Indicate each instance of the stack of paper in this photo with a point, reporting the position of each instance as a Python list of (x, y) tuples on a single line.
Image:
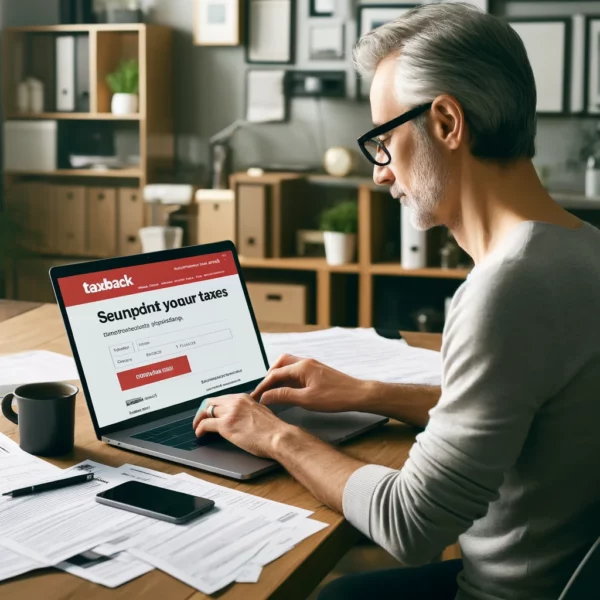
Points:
[(361, 353), (33, 367), (66, 528)]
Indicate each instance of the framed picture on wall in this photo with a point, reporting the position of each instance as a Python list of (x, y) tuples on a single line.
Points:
[(270, 31), (321, 8), (217, 22), (369, 17), (326, 41), (548, 45), (592, 67), (266, 100)]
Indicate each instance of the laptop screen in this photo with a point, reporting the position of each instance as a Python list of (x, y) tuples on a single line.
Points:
[(155, 335)]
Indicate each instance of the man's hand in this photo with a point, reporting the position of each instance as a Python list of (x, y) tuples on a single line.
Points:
[(243, 422), (312, 385)]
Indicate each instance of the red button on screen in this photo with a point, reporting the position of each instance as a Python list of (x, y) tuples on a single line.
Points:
[(154, 372)]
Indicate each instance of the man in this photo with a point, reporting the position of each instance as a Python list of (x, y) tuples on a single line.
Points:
[(508, 457)]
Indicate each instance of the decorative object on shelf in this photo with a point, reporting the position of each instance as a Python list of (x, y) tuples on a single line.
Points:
[(217, 22), (428, 320), (413, 242), (369, 17), (30, 145), (124, 84), (592, 177), (266, 100), (322, 8), (30, 96), (220, 155), (547, 41), (339, 161), (270, 31), (589, 154), (449, 253), (162, 236), (310, 242), (340, 225), (75, 12), (119, 11), (326, 41), (316, 84)]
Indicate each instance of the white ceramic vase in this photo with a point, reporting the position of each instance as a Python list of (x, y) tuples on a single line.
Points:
[(124, 104), (592, 183), (340, 248)]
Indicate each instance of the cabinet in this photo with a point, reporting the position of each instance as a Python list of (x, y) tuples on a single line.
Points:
[(130, 221), (101, 222), (70, 219)]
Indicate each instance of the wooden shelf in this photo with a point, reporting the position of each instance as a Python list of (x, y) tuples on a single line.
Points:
[(81, 27), (297, 264), (75, 116), (108, 174), (394, 268)]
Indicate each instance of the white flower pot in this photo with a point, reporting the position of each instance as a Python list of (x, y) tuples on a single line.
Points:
[(592, 183), (339, 247), (124, 104)]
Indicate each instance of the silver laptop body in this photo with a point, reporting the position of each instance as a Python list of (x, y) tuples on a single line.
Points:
[(166, 431)]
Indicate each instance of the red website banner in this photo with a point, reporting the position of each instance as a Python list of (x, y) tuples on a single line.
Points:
[(166, 369), (103, 285)]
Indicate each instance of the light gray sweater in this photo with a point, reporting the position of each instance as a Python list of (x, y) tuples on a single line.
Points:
[(510, 459)]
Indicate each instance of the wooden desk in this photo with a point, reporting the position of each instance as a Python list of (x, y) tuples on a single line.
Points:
[(293, 576)]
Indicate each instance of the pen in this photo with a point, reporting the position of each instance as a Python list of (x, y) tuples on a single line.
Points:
[(50, 485)]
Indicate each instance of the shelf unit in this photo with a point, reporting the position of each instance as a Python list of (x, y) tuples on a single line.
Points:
[(86, 213), (379, 221)]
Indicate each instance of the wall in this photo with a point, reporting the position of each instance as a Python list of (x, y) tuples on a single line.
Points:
[(209, 93)]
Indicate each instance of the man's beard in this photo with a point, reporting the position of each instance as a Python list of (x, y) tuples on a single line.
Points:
[(428, 184)]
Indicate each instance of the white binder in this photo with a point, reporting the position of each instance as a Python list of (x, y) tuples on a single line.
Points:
[(65, 73), (413, 251)]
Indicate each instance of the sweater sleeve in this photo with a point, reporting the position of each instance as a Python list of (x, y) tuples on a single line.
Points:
[(499, 367)]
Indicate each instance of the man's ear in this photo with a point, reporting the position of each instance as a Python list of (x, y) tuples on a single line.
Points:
[(448, 120)]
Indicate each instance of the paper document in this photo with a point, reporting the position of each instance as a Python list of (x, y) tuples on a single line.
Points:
[(34, 367), (361, 353), (108, 571), (18, 469), (14, 564), (53, 526)]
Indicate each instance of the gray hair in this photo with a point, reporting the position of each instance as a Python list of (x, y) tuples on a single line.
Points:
[(475, 57)]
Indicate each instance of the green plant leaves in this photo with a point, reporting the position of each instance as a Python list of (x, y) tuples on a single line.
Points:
[(125, 80), (342, 218)]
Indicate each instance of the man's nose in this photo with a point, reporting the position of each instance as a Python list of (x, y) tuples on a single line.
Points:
[(383, 175)]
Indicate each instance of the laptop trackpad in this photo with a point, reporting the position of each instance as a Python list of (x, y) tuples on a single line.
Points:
[(331, 427)]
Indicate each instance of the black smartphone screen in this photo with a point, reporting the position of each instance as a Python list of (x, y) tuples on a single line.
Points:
[(160, 500)]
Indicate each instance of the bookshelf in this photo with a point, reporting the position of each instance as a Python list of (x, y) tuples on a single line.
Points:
[(357, 287), (63, 212)]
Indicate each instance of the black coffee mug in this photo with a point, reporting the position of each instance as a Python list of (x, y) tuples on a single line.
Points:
[(46, 417)]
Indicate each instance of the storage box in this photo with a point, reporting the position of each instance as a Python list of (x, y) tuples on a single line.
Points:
[(216, 215), (279, 302), (30, 145)]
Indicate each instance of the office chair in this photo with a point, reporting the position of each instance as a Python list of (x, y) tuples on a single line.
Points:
[(584, 583)]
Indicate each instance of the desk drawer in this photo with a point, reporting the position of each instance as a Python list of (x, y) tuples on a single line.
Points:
[(279, 302)]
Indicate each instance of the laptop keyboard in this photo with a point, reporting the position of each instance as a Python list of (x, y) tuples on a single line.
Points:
[(178, 434)]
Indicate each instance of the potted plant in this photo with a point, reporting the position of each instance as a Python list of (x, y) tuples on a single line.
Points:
[(124, 84), (340, 224)]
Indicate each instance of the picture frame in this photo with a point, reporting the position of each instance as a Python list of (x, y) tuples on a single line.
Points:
[(270, 31), (321, 8), (591, 93), (217, 22), (266, 98), (548, 45), (369, 17), (326, 41)]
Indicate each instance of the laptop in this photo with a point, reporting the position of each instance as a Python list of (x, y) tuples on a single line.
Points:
[(155, 334)]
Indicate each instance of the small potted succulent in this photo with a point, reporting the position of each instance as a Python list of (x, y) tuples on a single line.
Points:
[(124, 84), (340, 224)]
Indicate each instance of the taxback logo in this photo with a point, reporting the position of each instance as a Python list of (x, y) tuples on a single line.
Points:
[(107, 284)]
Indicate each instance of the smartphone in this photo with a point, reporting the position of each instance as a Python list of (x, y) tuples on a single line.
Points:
[(156, 502)]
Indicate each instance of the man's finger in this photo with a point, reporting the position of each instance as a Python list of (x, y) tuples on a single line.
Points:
[(285, 360), (275, 377), (207, 425), (284, 395)]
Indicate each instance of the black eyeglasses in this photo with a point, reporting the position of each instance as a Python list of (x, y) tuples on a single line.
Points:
[(373, 148)]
